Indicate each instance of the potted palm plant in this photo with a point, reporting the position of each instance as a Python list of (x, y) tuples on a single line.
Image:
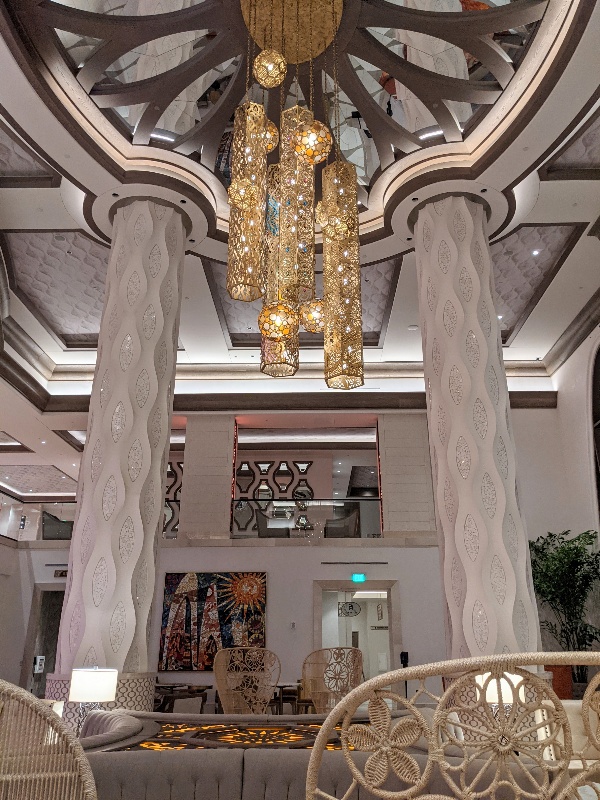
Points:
[(565, 570)]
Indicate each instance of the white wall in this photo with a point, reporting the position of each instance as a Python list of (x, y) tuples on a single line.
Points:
[(13, 622), (291, 571), (544, 496), (574, 384)]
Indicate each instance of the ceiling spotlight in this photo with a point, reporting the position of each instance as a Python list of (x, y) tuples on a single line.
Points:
[(413, 327), (74, 465), (63, 477), (43, 441), (535, 252), (499, 316), (338, 471)]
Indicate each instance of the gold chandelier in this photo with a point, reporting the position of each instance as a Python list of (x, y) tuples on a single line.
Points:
[(273, 215)]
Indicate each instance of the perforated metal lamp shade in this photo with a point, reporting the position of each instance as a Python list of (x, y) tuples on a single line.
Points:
[(93, 685)]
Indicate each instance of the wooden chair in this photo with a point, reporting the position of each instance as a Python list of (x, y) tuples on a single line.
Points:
[(329, 674), (40, 758), (246, 679)]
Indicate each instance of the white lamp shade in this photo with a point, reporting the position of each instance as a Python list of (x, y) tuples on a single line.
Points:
[(93, 685)]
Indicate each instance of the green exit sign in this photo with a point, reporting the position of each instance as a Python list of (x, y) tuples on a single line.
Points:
[(358, 577)]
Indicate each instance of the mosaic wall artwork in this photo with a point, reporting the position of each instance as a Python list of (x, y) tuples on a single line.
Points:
[(206, 611)]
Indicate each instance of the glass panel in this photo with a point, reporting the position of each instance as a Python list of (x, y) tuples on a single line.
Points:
[(307, 519)]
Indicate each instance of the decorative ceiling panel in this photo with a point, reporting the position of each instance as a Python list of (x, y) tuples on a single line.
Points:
[(41, 479), (8, 444), (16, 161), (63, 275), (524, 262), (377, 283), (584, 152)]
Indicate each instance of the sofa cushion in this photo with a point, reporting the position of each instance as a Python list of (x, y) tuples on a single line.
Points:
[(170, 775), (578, 734), (102, 728)]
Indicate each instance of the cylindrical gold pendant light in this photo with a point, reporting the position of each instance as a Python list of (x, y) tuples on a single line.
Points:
[(344, 367)]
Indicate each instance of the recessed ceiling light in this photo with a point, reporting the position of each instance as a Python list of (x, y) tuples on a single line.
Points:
[(535, 252), (74, 465), (413, 327), (499, 316), (338, 471), (31, 490), (63, 477), (43, 441)]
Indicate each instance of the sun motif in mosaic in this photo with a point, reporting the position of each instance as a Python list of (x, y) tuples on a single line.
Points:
[(244, 589)]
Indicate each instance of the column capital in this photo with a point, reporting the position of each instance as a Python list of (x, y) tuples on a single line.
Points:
[(195, 209), (403, 206)]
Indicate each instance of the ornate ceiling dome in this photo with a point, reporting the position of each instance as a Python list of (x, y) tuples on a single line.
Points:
[(417, 80)]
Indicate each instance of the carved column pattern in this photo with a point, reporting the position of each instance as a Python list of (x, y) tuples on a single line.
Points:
[(484, 543), (121, 490)]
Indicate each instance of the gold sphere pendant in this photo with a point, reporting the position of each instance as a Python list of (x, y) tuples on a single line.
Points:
[(278, 320), (269, 68), (312, 142), (312, 316), (272, 136)]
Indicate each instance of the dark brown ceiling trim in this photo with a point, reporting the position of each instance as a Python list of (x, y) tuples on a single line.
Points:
[(574, 335), (576, 234), (52, 178), (207, 266), (29, 182), (18, 377), (387, 312), (67, 402), (551, 171), (595, 229), (70, 440), (80, 341), (27, 348), (88, 204), (307, 401), (17, 447)]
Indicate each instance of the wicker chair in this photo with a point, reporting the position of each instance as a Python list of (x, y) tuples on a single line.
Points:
[(40, 759), (329, 674), (247, 678)]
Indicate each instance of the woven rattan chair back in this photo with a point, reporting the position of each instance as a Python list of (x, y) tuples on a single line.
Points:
[(40, 759), (246, 679), (329, 674)]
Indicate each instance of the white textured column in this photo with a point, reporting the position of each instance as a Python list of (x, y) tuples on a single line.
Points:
[(482, 536), (121, 486)]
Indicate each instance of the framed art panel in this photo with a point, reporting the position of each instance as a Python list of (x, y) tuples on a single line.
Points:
[(206, 611)]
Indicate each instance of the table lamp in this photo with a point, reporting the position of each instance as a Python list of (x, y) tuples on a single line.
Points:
[(90, 688)]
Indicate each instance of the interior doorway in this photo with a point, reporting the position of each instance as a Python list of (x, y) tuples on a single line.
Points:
[(358, 618), (42, 639)]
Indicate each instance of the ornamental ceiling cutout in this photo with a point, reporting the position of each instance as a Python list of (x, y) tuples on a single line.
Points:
[(409, 78)]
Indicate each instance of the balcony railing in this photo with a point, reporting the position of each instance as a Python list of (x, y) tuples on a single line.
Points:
[(20, 519), (352, 518)]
